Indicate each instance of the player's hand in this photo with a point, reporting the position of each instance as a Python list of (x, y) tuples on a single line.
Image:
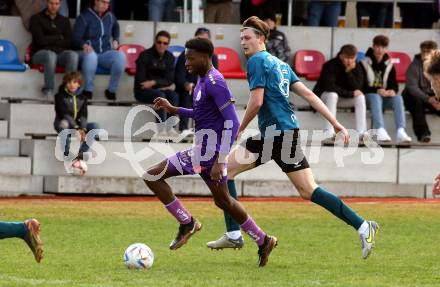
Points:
[(217, 171), (161, 103), (341, 131), (81, 135), (436, 187)]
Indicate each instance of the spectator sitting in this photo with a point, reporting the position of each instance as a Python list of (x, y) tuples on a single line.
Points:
[(185, 82), (381, 90), (161, 10), (51, 39), (27, 9), (96, 32), (418, 94), (341, 80), (277, 43), (219, 11), (155, 74), (323, 13), (71, 112)]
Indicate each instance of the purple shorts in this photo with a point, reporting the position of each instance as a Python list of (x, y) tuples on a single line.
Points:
[(182, 163)]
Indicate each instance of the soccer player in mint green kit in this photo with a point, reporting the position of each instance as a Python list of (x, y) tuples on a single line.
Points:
[(29, 231), (269, 81)]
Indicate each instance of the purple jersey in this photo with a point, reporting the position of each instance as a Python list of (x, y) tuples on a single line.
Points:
[(211, 95)]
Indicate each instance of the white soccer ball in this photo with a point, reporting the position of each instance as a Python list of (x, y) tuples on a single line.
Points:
[(138, 256), (79, 167)]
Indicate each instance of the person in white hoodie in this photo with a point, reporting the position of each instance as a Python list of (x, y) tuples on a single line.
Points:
[(381, 90)]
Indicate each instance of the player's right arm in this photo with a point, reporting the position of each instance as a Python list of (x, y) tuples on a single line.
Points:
[(161, 103), (305, 93)]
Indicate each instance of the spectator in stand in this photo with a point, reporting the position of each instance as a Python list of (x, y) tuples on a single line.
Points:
[(51, 39), (323, 13), (277, 43), (96, 32), (258, 8), (381, 89), (218, 11), (27, 9), (418, 94), (155, 74), (71, 113), (161, 10), (341, 81), (411, 15), (185, 82), (380, 14)]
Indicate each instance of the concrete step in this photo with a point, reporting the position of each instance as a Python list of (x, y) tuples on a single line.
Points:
[(328, 163), (3, 128), (194, 185), (182, 185), (15, 185), (15, 165), (9, 147), (39, 118), (418, 165)]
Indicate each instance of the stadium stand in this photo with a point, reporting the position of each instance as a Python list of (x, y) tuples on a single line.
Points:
[(41, 172)]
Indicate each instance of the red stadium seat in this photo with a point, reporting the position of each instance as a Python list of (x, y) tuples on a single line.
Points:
[(28, 60), (131, 52), (401, 62), (229, 63), (308, 64)]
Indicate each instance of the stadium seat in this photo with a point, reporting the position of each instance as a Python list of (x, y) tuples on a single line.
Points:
[(308, 64), (40, 68), (176, 50), (401, 62), (9, 60), (360, 56), (229, 63), (131, 52)]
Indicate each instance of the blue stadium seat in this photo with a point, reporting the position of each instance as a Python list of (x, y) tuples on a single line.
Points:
[(176, 50), (360, 56), (9, 60)]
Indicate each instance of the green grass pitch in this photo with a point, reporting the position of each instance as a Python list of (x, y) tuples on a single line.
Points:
[(85, 242)]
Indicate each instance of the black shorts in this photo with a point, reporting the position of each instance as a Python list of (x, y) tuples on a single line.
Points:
[(291, 159)]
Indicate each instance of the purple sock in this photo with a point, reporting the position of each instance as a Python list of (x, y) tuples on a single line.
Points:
[(179, 212), (255, 232)]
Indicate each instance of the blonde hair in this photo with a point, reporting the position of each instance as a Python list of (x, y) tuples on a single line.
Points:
[(431, 68)]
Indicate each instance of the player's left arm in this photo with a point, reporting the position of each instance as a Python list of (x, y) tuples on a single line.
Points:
[(305, 93)]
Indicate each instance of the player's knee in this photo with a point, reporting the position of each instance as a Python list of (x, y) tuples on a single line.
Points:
[(223, 203), (305, 192)]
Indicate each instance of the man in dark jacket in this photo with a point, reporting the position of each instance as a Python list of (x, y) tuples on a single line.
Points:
[(277, 43), (51, 40), (185, 82), (418, 94), (96, 33), (381, 90), (155, 73), (340, 83)]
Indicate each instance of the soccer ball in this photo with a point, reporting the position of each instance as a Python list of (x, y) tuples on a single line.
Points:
[(79, 167), (138, 256)]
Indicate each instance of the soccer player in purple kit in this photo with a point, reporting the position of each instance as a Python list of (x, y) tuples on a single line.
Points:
[(214, 115)]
